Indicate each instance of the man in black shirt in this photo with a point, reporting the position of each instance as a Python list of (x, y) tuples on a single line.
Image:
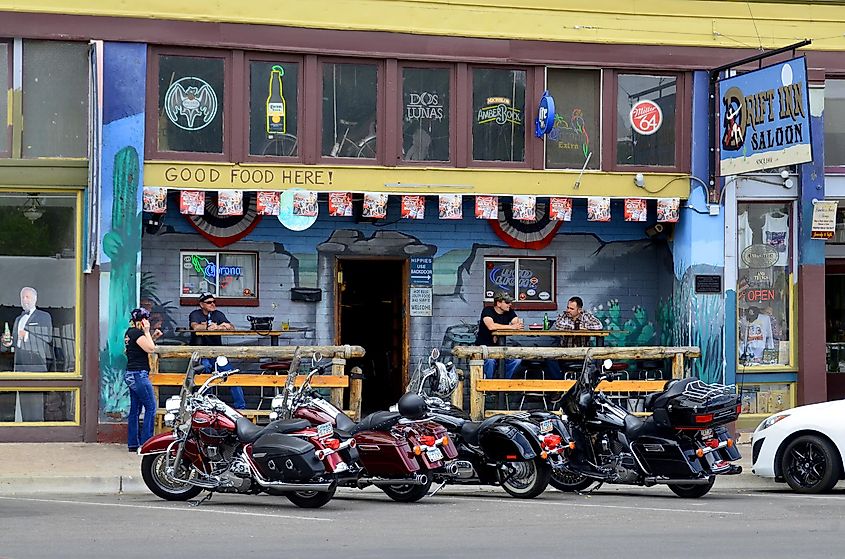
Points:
[(207, 317), (498, 317)]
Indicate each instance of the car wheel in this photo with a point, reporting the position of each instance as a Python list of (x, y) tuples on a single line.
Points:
[(810, 464)]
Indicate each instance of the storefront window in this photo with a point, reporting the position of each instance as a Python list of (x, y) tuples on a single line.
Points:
[(645, 120), (765, 398), (764, 287), (5, 129), (38, 272), (527, 280), (425, 114), (834, 123), (228, 275), (498, 104), (36, 406), (190, 104), (576, 134), (55, 99), (273, 108), (349, 110)]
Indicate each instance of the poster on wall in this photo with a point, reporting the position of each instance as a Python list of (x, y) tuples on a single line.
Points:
[(524, 208), (486, 207), (560, 209), (668, 209), (155, 199), (824, 219), (192, 202), (635, 209), (420, 301), (267, 203), (598, 208), (230, 202), (413, 207), (375, 205), (451, 206), (340, 204), (305, 203)]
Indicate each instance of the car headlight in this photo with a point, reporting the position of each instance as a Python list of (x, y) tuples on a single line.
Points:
[(278, 402), (172, 404), (769, 421)]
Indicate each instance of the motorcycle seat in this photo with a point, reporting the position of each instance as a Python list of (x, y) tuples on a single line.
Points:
[(248, 432), (343, 422), (636, 427), (378, 421)]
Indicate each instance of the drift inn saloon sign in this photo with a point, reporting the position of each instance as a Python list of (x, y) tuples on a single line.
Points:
[(765, 119)]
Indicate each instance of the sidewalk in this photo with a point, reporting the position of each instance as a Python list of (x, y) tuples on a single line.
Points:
[(109, 468)]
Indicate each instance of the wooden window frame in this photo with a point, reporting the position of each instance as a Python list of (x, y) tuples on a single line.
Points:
[(549, 305), (222, 300), (10, 106)]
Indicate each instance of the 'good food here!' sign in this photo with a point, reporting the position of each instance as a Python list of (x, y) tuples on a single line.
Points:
[(765, 119)]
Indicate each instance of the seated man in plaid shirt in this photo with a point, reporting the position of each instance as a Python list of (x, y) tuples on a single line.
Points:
[(574, 318)]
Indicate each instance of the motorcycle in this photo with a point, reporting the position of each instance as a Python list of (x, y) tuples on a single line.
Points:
[(212, 447), (395, 452), (684, 444), (518, 451)]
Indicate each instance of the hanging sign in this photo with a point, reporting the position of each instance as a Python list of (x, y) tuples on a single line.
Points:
[(420, 301), (668, 210), (375, 205), (635, 209), (524, 207), (230, 202), (646, 117), (598, 208), (486, 207), (305, 203), (340, 204), (450, 206), (545, 115), (824, 219), (413, 206), (422, 271), (192, 202), (155, 199), (267, 203), (560, 209)]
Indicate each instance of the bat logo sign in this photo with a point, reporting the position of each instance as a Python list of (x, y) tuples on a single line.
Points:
[(188, 99)]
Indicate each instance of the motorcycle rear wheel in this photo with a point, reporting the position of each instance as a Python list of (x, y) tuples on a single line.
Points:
[(311, 499), (407, 493), (692, 491), (529, 480), (152, 470), (570, 482)]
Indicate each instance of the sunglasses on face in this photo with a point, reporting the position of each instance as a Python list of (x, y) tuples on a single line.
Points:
[(209, 302)]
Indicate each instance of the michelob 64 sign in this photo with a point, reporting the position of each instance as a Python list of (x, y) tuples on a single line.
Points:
[(765, 119)]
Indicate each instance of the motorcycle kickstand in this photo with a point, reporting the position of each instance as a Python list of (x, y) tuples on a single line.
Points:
[(201, 501), (592, 489), (437, 490)]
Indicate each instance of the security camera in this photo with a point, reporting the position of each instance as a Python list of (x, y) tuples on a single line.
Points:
[(784, 174), (639, 180)]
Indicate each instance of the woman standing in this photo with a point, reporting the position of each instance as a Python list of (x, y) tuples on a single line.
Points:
[(139, 344)]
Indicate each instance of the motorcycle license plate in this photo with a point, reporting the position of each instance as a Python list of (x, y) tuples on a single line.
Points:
[(707, 433), (434, 454), (324, 430), (546, 426)]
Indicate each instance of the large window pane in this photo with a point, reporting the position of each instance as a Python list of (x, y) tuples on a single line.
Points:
[(190, 104), (834, 122), (763, 290), (225, 274), (576, 133), (635, 147), (349, 110), (38, 275), (425, 114), (55, 99), (32, 406), (498, 126), (4, 87), (273, 108)]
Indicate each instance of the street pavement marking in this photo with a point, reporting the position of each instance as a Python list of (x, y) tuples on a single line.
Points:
[(160, 507), (585, 505), (800, 496)]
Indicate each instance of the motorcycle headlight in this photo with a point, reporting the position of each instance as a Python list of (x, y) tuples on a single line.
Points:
[(769, 421), (278, 402), (273, 416), (169, 418), (172, 404)]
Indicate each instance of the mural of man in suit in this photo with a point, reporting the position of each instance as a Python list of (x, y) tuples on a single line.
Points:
[(32, 336)]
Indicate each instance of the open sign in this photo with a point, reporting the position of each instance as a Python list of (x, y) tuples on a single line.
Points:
[(646, 117)]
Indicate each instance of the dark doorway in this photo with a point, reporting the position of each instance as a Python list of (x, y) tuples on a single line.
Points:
[(371, 313)]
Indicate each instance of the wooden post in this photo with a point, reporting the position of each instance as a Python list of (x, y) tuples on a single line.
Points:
[(338, 366), (678, 365), (476, 398), (355, 390), (458, 394)]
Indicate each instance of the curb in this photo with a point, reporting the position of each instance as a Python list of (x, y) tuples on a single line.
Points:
[(72, 484)]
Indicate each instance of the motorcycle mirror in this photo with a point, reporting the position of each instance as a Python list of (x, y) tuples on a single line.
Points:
[(607, 364), (435, 353), (316, 358), (222, 361)]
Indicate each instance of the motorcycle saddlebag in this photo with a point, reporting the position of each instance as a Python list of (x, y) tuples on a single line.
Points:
[(665, 458), (383, 455), (504, 442), (285, 458)]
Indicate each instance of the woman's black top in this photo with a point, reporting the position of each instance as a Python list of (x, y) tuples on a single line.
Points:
[(136, 358)]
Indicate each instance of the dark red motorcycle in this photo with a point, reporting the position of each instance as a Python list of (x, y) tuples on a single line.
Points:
[(212, 447)]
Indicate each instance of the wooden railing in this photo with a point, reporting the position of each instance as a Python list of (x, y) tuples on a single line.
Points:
[(479, 385)]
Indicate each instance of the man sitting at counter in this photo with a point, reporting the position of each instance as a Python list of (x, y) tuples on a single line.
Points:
[(573, 318)]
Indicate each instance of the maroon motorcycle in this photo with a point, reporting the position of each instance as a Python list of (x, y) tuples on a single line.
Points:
[(212, 447), (394, 451)]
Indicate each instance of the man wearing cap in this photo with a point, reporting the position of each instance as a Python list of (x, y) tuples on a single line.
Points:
[(207, 317), (498, 317)]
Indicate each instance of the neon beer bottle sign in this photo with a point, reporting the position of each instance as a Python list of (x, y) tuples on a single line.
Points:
[(276, 113)]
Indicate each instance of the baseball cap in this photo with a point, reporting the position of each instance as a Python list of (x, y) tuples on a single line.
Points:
[(502, 296), (205, 296)]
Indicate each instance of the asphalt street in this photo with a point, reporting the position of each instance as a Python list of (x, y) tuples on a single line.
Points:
[(612, 522)]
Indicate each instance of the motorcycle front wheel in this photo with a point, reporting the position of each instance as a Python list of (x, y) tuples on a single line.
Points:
[(153, 471), (407, 493), (526, 479), (691, 491), (311, 499), (569, 482)]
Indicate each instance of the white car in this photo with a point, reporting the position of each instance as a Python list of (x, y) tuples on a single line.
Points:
[(802, 446)]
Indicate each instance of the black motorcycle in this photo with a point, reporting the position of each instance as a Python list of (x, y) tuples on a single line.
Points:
[(684, 444)]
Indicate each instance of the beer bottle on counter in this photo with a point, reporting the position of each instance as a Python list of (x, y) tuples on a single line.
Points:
[(276, 114), (7, 334), (545, 321)]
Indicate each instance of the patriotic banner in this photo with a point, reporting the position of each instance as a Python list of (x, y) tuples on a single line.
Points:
[(560, 209), (340, 204), (230, 202), (451, 206), (524, 208), (413, 207), (375, 205), (598, 208), (668, 209), (155, 199), (305, 203), (486, 207), (635, 209), (192, 202), (267, 203)]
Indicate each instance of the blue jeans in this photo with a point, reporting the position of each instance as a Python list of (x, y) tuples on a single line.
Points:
[(141, 395), (238, 401), (510, 367)]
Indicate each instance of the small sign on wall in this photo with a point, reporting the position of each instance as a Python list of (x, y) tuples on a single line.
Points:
[(708, 283), (422, 271), (420, 301)]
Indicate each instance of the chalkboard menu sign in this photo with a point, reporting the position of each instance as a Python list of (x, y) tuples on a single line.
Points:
[(527, 280), (705, 283)]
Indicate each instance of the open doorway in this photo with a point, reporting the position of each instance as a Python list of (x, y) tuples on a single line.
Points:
[(371, 313)]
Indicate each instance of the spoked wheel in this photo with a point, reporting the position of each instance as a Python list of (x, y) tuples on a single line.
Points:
[(407, 493), (311, 499), (692, 491), (153, 468), (525, 480), (810, 464), (569, 481)]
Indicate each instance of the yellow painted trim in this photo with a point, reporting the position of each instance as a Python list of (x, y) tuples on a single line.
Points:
[(214, 176), (710, 23), (76, 414)]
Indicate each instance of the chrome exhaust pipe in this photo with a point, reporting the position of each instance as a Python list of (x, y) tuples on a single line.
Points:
[(284, 486), (418, 479), (649, 481)]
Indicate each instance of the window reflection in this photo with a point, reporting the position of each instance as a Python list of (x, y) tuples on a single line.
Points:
[(273, 108), (653, 142), (425, 114), (190, 104), (349, 110), (498, 126), (33, 406)]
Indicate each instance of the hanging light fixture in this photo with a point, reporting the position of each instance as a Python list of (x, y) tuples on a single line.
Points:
[(33, 208)]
